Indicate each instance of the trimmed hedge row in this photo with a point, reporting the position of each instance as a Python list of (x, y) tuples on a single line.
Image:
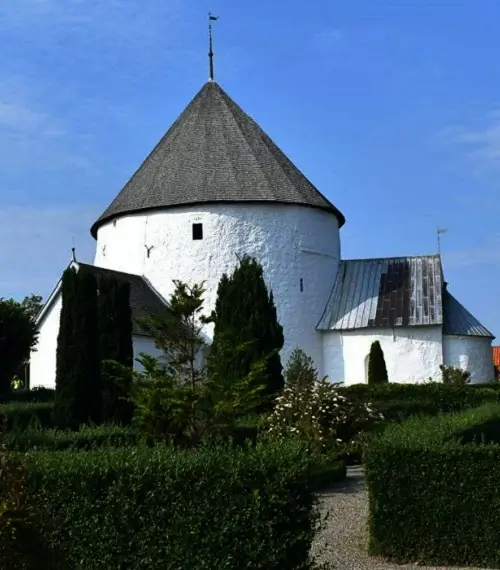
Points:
[(34, 395), (398, 402), (433, 489), (57, 440), (161, 509), (21, 415)]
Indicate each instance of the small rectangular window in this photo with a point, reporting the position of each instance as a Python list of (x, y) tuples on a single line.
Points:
[(301, 285), (197, 231)]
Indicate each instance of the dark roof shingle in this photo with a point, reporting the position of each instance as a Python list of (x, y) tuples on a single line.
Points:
[(214, 152), (144, 300), (459, 321)]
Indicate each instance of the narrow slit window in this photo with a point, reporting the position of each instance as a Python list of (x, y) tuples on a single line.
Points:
[(197, 231), (301, 285)]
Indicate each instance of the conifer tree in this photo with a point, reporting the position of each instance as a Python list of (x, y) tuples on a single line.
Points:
[(116, 348), (78, 379), (377, 370), (115, 321), (245, 319)]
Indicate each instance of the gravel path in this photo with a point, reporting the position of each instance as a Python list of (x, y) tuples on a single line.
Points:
[(342, 541)]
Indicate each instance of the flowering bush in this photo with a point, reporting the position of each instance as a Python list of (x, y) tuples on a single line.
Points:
[(313, 409)]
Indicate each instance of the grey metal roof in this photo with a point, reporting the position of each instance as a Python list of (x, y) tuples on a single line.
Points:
[(144, 300), (388, 292), (459, 321), (214, 152)]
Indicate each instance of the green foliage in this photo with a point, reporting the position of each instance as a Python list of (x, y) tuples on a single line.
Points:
[(115, 321), (33, 395), (245, 315), (87, 437), (20, 415), (178, 333), (18, 336), (117, 379), (451, 516), (398, 402), (377, 369), (21, 543), (313, 410), (453, 375), (32, 304), (161, 509), (78, 378)]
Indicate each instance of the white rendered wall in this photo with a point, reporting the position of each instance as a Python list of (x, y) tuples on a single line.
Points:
[(412, 354), (291, 243), (43, 361), (470, 353)]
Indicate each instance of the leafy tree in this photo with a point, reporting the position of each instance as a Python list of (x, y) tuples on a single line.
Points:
[(178, 333), (18, 336), (377, 370), (300, 372), (33, 305), (245, 316), (78, 377)]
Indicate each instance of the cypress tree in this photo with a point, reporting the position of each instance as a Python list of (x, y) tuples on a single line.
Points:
[(78, 381), (65, 396), (115, 341), (377, 370), (245, 319)]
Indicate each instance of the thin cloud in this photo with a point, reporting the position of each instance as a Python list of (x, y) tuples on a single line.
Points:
[(36, 246), (480, 145), (30, 137), (486, 254)]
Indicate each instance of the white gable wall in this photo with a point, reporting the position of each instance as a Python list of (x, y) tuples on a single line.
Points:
[(472, 353), (412, 354), (298, 247), (43, 360)]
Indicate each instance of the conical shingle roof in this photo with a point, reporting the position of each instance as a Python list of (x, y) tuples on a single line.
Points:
[(214, 152)]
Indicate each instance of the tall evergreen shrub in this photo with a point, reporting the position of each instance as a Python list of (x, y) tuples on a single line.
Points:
[(245, 320), (377, 370), (116, 348), (78, 379)]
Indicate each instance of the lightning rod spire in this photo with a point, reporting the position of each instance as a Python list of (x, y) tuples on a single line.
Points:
[(210, 50)]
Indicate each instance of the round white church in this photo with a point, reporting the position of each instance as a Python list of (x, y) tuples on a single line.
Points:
[(216, 187)]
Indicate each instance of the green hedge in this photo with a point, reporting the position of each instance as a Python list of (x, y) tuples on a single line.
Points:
[(400, 401), (20, 415), (57, 440), (35, 395), (433, 489), (157, 508)]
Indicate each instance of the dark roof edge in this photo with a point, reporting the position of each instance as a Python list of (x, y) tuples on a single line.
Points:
[(395, 257), (490, 336), (101, 221)]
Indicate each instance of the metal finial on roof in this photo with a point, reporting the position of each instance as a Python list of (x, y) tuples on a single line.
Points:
[(73, 254), (210, 50)]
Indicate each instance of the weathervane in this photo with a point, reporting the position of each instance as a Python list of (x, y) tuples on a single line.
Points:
[(210, 51), (440, 231)]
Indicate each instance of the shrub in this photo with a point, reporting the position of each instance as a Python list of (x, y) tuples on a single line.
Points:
[(34, 395), (399, 401), (452, 513), (314, 411), (453, 375), (117, 380), (377, 369), (78, 383), (21, 543), (21, 415), (245, 316), (169, 510), (87, 437)]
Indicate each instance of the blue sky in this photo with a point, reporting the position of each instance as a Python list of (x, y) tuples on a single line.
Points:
[(391, 108)]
